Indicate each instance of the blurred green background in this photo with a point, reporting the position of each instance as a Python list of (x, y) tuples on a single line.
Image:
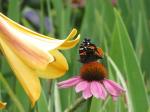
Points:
[(120, 27)]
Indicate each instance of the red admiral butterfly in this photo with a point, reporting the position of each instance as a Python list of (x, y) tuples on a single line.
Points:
[(89, 52)]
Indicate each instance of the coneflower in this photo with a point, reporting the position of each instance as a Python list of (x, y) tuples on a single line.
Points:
[(93, 78)]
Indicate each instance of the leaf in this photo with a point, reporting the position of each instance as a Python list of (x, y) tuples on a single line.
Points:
[(123, 54), (20, 94), (14, 9), (42, 103), (11, 94), (95, 105)]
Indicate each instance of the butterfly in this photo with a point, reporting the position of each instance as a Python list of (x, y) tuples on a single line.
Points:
[(89, 52)]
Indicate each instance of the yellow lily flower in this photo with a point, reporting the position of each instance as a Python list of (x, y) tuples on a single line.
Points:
[(2, 105), (32, 55)]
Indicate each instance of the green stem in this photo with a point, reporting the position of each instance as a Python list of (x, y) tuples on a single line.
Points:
[(50, 15), (76, 105), (89, 104), (42, 16), (11, 94)]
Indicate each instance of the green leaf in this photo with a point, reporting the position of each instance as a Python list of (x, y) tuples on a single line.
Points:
[(42, 103), (95, 105), (14, 9), (21, 95), (11, 93), (148, 110), (123, 54)]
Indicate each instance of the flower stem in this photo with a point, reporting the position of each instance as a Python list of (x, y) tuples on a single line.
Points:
[(76, 105), (89, 104)]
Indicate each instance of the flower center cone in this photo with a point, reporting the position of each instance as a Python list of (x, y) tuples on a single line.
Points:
[(93, 71)]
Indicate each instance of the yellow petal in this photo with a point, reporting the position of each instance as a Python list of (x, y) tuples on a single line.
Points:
[(30, 53), (34, 56), (26, 76), (32, 33), (29, 45), (22, 28), (2, 105), (46, 41), (69, 44), (55, 69)]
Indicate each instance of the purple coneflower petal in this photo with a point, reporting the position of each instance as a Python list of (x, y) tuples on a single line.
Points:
[(112, 87), (98, 90), (114, 98), (87, 92), (81, 86), (70, 82)]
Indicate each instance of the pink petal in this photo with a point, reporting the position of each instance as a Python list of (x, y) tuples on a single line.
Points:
[(87, 92), (81, 86), (70, 82), (112, 87), (114, 98), (98, 90)]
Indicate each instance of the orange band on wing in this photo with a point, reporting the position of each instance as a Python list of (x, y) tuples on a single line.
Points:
[(100, 52)]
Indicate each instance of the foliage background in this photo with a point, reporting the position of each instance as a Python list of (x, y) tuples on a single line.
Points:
[(120, 27)]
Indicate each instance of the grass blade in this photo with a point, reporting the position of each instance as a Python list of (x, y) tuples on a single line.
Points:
[(127, 62)]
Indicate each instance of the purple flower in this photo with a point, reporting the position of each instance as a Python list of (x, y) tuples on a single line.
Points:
[(34, 17), (114, 2), (93, 81)]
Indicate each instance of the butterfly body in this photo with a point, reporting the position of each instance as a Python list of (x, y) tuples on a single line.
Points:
[(89, 52)]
